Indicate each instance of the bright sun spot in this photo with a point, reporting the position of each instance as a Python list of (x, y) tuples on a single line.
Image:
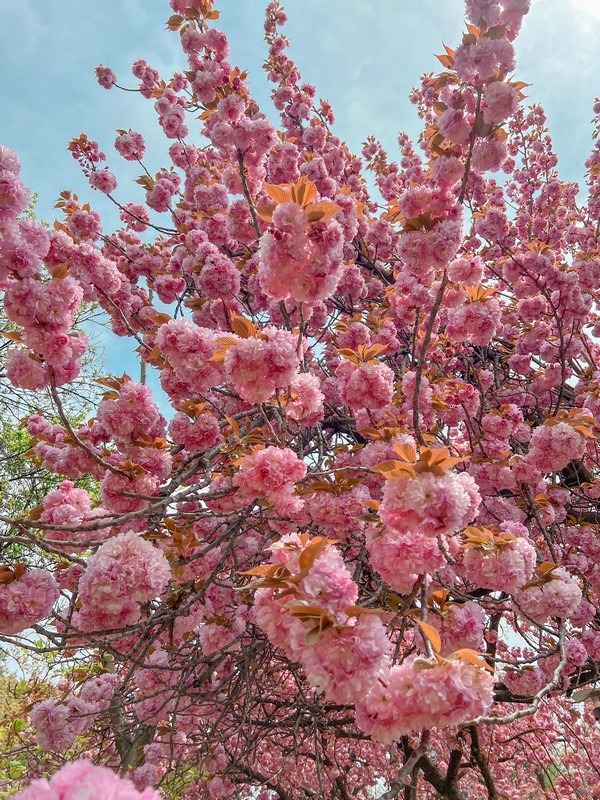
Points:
[(589, 7)]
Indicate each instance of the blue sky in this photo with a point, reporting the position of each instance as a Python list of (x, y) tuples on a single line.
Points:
[(362, 56)]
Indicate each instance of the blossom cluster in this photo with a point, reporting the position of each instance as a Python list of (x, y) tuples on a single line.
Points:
[(83, 779)]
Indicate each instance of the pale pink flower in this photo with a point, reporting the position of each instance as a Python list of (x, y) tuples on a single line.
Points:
[(9, 160), (299, 260), (558, 597), (131, 415), (26, 601), (345, 662), (410, 699), (461, 626), (504, 570), (468, 271), (25, 371), (219, 278), (256, 367), (195, 435), (500, 101), (81, 779), (368, 386), (488, 155), (306, 399), (271, 474), (552, 447), (400, 557), (431, 504), (105, 76), (188, 349), (455, 126), (475, 322), (13, 195), (130, 145), (125, 569), (329, 584), (103, 180), (56, 727), (526, 681)]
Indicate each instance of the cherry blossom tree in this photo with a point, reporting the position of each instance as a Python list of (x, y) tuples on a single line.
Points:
[(346, 541)]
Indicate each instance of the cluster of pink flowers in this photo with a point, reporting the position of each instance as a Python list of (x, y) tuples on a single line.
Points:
[(424, 250), (160, 194), (480, 61), (347, 660), (430, 504), (306, 399), (82, 779), (197, 434), (258, 366), (460, 626), (342, 655), (552, 447), (26, 600), (67, 505), (508, 13), (103, 180), (366, 386), (130, 144), (499, 102), (58, 723), (44, 309), (556, 594), (474, 322), (189, 349), (503, 569), (413, 697), (131, 415), (338, 515), (401, 556), (105, 76), (124, 572), (271, 474), (300, 260)]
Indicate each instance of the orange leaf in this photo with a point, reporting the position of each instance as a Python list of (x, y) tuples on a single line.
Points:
[(304, 191), (269, 570), (174, 22), (472, 657), (36, 512), (321, 212), (406, 452), (369, 353), (7, 575), (393, 469), (351, 355), (266, 211), (311, 551), (497, 32), (159, 318), (60, 271), (280, 194), (244, 328), (14, 336), (224, 342), (430, 633), (445, 61), (306, 613)]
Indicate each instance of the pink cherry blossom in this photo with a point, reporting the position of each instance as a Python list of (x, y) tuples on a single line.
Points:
[(82, 779), (26, 600)]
